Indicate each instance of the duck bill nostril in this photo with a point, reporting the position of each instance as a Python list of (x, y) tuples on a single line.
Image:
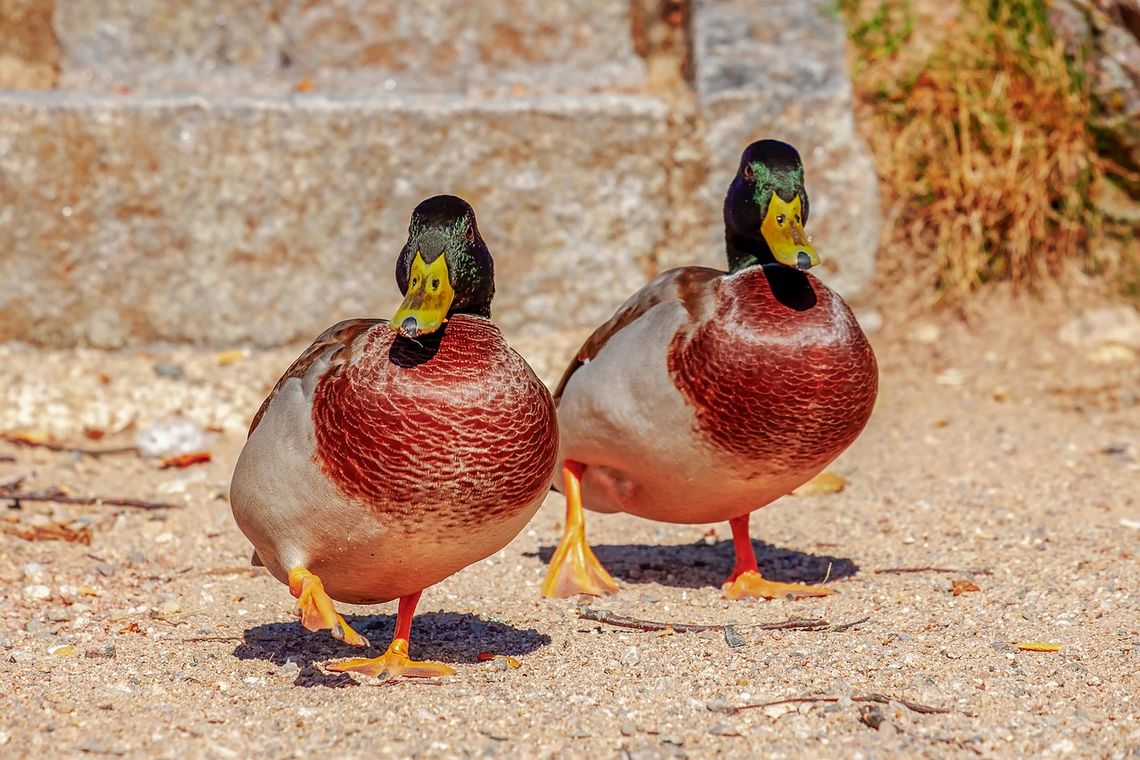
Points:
[(410, 327)]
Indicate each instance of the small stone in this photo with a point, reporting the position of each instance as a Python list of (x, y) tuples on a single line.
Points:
[(1113, 325), (108, 650), (135, 557), (871, 716), (628, 728), (63, 650), (37, 591), (169, 369), (631, 657), (926, 333), (722, 730), (59, 615), (106, 569), (732, 637), (951, 377), (290, 669)]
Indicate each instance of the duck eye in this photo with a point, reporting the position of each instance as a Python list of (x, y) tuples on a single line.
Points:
[(415, 281), (470, 234), (780, 219), (435, 284), (749, 172)]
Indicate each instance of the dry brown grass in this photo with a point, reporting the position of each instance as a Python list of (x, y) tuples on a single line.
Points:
[(979, 131)]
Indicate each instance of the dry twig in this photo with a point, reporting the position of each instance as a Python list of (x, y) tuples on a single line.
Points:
[(879, 698), (19, 440), (963, 570), (59, 497), (793, 624)]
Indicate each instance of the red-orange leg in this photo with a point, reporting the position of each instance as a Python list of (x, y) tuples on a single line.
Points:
[(395, 662)]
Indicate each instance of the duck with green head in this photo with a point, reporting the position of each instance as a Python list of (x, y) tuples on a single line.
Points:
[(710, 394), (392, 454)]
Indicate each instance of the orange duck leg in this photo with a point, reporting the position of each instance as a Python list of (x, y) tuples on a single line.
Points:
[(395, 662), (316, 609), (746, 580), (574, 569)]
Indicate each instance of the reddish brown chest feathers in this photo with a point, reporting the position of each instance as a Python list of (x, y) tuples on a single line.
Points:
[(786, 378), (459, 431)]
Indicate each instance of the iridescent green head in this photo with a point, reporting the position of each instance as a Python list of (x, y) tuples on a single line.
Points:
[(444, 268), (767, 207)]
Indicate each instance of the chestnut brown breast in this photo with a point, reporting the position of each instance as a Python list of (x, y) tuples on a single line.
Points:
[(779, 372), (454, 428)]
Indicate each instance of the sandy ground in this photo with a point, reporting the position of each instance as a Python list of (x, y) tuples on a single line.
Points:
[(996, 452)]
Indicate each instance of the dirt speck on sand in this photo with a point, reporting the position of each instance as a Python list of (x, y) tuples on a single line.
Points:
[(998, 456)]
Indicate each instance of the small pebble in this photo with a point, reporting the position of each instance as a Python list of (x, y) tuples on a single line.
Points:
[(732, 637), (631, 657), (169, 369), (37, 591), (628, 729)]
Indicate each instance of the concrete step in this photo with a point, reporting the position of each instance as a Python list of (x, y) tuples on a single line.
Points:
[(778, 69), (127, 220), (228, 172), (341, 46)]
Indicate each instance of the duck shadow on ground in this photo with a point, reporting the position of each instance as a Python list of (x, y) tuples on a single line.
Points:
[(448, 637), (700, 565)]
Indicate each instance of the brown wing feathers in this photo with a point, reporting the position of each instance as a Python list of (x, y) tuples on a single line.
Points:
[(342, 334), (686, 284)]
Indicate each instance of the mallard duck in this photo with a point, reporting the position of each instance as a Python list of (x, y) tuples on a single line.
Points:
[(392, 454), (710, 394)]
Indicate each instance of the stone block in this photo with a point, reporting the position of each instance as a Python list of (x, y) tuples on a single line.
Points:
[(29, 54), (343, 46), (777, 69), (225, 221)]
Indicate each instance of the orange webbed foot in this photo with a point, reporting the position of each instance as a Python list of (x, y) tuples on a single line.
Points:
[(752, 584), (574, 569), (316, 610), (394, 663)]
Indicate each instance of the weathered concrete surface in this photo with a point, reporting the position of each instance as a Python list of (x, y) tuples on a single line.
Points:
[(266, 46), (29, 54), (127, 220), (777, 69), (1104, 37)]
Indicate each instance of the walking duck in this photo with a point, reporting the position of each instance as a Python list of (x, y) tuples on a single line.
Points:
[(392, 454), (710, 394)]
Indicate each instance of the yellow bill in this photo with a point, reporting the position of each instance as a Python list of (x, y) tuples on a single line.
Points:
[(429, 298), (783, 230)]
